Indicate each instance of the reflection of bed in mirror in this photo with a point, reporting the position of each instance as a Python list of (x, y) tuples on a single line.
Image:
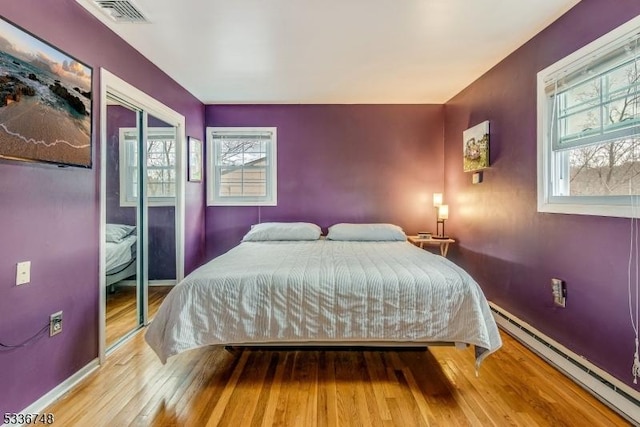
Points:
[(120, 262)]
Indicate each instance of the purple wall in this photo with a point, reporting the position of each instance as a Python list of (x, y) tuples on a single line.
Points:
[(51, 216), (340, 163), (511, 249)]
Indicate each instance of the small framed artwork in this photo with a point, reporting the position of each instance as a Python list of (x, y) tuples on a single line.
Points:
[(475, 147), (195, 159)]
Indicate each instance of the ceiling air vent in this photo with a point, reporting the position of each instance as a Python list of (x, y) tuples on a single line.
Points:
[(121, 10)]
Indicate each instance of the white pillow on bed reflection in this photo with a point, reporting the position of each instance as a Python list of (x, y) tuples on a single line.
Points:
[(366, 232), (118, 232), (283, 231)]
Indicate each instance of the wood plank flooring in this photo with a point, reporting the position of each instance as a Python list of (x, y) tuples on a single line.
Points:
[(328, 387), (121, 313)]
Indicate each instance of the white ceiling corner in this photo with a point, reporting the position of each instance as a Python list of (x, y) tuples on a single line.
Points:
[(332, 51)]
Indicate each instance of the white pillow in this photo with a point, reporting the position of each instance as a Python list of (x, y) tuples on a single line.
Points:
[(366, 232), (117, 232), (283, 231)]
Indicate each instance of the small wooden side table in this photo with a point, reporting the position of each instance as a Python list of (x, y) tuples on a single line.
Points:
[(443, 243)]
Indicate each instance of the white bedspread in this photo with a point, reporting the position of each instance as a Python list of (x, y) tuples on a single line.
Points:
[(323, 291)]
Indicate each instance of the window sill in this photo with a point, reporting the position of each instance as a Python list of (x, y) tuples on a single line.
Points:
[(619, 211)]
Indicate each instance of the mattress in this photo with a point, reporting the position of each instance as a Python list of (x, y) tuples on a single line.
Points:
[(119, 255), (324, 291)]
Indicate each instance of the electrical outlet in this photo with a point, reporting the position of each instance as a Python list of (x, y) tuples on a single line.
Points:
[(55, 323), (559, 290)]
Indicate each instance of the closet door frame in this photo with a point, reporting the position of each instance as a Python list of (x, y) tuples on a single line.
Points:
[(110, 83)]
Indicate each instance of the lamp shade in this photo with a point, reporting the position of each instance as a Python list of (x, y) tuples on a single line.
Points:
[(437, 199), (443, 212)]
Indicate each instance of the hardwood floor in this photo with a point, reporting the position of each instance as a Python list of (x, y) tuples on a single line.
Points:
[(327, 387), (122, 315)]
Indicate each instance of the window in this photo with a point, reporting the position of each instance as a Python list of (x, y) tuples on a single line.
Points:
[(161, 166), (242, 167), (589, 128)]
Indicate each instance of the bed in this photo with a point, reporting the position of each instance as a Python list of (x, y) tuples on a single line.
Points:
[(325, 291), (120, 253)]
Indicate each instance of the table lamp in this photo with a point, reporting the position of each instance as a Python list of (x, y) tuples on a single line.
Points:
[(443, 214)]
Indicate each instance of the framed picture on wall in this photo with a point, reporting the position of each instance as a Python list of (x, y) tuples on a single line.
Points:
[(195, 159), (45, 101), (475, 147)]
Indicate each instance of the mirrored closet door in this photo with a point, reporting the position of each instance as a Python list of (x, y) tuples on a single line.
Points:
[(141, 196), (161, 150), (122, 231)]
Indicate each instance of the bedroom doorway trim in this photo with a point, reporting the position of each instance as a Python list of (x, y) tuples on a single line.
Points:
[(115, 86)]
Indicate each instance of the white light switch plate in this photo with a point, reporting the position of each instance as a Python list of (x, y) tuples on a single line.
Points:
[(23, 273)]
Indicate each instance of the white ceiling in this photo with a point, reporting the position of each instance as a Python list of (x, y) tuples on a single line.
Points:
[(332, 51)]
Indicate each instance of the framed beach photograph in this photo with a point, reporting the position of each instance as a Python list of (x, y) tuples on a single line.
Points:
[(195, 159), (45, 101), (475, 147)]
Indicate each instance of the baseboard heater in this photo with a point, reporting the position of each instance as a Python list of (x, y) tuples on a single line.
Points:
[(609, 390)]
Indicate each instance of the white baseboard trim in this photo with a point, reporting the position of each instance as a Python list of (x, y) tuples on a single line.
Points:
[(57, 392), (162, 282), (151, 283), (606, 388)]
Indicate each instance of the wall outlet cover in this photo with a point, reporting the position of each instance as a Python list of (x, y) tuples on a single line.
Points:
[(559, 290), (23, 273), (55, 323)]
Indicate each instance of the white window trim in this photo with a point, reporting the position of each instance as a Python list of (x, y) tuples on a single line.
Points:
[(613, 206), (212, 199), (127, 200)]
